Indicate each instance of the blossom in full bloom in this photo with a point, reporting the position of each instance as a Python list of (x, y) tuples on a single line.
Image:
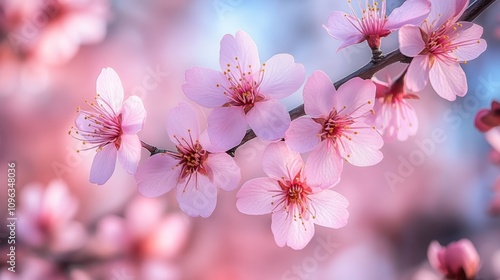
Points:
[(111, 126), (395, 118), (336, 128), (438, 47), (245, 93), (488, 119), (295, 203), (457, 261), (197, 169), (374, 24)]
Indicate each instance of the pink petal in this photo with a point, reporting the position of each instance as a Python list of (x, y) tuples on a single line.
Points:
[(269, 119), (129, 153), (410, 41), (318, 95), (417, 76), (344, 27), (279, 161), (302, 136), (239, 51), (157, 175), (282, 76), (182, 124), (110, 89), (133, 115), (382, 87), (463, 255), (226, 173), (330, 209), (72, 237), (103, 165), (460, 7), (83, 124), (197, 196), (201, 87), (411, 12), (226, 127), (478, 122), (441, 12), (433, 255), (363, 149), (323, 166), (256, 196), (493, 138), (468, 42), (448, 80), (296, 233), (355, 98)]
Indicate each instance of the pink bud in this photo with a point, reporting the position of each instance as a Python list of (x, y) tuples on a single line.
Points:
[(459, 260)]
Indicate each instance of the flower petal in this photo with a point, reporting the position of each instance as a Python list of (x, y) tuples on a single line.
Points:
[(433, 253), (226, 127), (362, 147), (411, 12), (109, 88), (330, 209), (302, 136), (417, 76), (157, 175), (344, 27), (469, 44), (205, 87), (269, 119), (296, 233), (318, 95), (448, 80), (182, 124), (441, 12), (240, 51), (256, 196), (355, 98), (133, 115), (129, 153), (279, 161), (103, 165), (410, 41), (197, 196), (226, 173), (282, 76), (323, 166)]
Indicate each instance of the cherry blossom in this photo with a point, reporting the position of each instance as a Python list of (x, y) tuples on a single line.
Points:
[(438, 47), (395, 118), (459, 260), (374, 24), (296, 204), (197, 169), (111, 126), (245, 93), (336, 128), (487, 119)]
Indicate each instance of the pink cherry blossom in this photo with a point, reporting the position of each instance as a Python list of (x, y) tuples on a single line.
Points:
[(295, 203), (374, 24), (487, 119), (395, 118), (459, 260), (439, 46), (111, 126), (196, 169), (336, 128), (245, 92)]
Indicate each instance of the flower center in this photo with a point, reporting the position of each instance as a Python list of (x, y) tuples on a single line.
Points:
[(192, 157), (294, 194), (334, 126)]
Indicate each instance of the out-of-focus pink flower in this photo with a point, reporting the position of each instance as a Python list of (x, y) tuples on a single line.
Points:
[(336, 128), (439, 46), (395, 118), (459, 260), (296, 204), (487, 119), (245, 93), (194, 169), (495, 201), (374, 24), (45, 218), (111, 127)]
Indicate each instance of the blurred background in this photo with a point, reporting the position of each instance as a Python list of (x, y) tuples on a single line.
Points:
[(51, 53)]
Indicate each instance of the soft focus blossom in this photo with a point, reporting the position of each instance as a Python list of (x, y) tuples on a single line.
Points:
[(374, 24), (395, 118), (336, 128), (111, 126), (439, 46), (245, 93), (487, 119), (196, 170), (295, 203), (46, 218), (458, 261), (493, 138)]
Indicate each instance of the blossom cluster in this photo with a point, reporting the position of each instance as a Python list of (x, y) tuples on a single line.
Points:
[(341, 124)]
